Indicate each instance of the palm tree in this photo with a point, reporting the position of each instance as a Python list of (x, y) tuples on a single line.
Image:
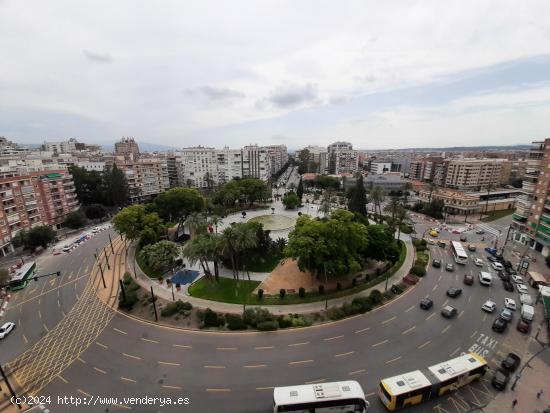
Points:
[(245, 239), (197, 250), (401, 215), (393, 206), (215, 221), (326, 203), (228, 243), (377, 197), (197, 224)]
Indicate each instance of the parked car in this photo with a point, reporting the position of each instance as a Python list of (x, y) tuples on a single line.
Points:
[(523, 326), (436, 263), (6, 329), (503, 276), (67, 248), (434, 233), (468, 279), (480, 232), (430, 241), (472, 247), (463, 238), (522, 289), (506, 314), (410, 279), (510, 271), (441, 244), (507, 264), (510, 303), (449, 267), (525, 299), (454, 292), (491, 258), (518, 279), (527, 312), (490, 250), (511, 362), (489, 306), (497, 266), (485, 278), (478, 262), (500, 379), (448, 311), (508, 286), (499, 325), (426, 303)]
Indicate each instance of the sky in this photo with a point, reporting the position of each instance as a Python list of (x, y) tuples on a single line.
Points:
[(378, 74)]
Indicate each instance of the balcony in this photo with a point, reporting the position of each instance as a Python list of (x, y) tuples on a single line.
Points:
[(13, 218), (27, 190), (528, 187)]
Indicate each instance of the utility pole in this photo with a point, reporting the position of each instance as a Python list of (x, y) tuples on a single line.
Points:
[(9, 387), (123, 291), (101, 270), (106, 259), (111, 242), (154, 304)]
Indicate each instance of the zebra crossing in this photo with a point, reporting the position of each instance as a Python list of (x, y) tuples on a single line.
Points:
[(489, 229)]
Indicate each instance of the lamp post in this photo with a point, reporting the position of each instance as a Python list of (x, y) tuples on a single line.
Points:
[(111, 242)]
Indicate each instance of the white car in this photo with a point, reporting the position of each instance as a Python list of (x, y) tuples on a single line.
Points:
[(6, 329), (478, 262), (430, 241), (67, 248), (510, 304), (518, 279), (497, 266), (525, 299), (522, 289), (489, 306), (485, 278)]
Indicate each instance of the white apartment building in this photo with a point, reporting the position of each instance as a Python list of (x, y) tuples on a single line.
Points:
[(278, 157), (342, 158), (380, 167), (256, 162), (91, 165), (229, 164), (69, 146)]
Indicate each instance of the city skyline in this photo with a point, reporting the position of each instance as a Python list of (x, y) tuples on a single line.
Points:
[(378, 76)]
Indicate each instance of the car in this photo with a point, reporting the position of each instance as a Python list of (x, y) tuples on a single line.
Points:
[(508, 286), (490, 250), (510, 303), (454, 292), (441, 244), (510, 271), (518, 279), (499, 257), (523, 326), (500, 379), (507, 264), (66, 248), (434, 233), (448, 311), (449, 267), (468, 279), (436, 263), (489, 306), (472, 247), (499, 325), (511, 362), (506, 314), (463, 238), (410, 279), (525, 299), (430, 241), (426, 303), (485, 278), (497, 266), (480, 232), (6, 329), (522, 289), (503, 276), (491, 258), (478, 262)]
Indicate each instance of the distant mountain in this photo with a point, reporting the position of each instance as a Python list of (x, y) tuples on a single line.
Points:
[(143, 147)]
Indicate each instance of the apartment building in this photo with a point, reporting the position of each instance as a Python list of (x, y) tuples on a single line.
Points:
[(97, 166), (34, 199), (198, 167), (229, 165), (473, 174), (256, 162), (380, 167), (127, 147), (342, 158), (531, 220), (318, 155), (146, 177), (69, 146), (429, 169)]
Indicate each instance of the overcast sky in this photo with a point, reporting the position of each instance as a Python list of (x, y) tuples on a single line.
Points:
[(380, 74)]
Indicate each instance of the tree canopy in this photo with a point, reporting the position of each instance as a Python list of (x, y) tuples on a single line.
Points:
[(358, 197), (36, 237), (177, 204), (247, 190), (291, 200), (325, 182), (107, 188), (134, 220), (160, 256), (75, 219)]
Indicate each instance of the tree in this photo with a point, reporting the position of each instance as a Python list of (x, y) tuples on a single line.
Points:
[(116, 186), (381, 244), (401, 215), (197, 223), (300, 190), (177, 204), (132, 220), (199, 249), (291, 200), (95, 211), (358, 197), (253, 189), (377, 198), (160, 256), (75, 219), (214, 221), (326, 203), (433, 188), (38, 237), (406, 188), (393, 206), (325, 182), (89, 185), (237, 240)]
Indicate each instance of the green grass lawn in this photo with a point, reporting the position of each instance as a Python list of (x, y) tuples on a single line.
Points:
[(494, 215), (227, 290), (263, 264)]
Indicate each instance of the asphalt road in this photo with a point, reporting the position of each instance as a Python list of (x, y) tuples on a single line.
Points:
[(236, 372)]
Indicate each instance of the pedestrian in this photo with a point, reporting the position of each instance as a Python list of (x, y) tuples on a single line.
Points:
[(539, 393), (514, 403)]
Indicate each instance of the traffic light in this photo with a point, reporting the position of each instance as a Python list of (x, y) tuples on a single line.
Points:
[(58, 273)]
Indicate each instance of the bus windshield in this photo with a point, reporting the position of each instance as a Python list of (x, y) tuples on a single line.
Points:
[(459, 253)]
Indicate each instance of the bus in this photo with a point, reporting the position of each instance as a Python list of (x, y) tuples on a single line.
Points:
[(417, 386), (21, 277), (342, 396), (459, 254)]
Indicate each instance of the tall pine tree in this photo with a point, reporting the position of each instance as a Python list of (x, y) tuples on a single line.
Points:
[(358, 199), (300, 190)]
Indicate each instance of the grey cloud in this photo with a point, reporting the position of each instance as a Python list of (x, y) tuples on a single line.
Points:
[(293, 95), (98, 57), (219, 93)]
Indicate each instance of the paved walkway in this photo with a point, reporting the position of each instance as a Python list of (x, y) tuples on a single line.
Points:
[(164, 292)]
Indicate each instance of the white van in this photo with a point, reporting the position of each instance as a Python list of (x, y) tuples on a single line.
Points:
[(527, 312), (485, 278)]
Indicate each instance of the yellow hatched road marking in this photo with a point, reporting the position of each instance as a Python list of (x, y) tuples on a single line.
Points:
[(99, 370), (84, 393), (407, 331)]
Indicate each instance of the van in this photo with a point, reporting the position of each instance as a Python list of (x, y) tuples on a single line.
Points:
[(485, 278), (527, 312)]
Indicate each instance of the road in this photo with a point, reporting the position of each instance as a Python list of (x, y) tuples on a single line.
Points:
[(236, 372)]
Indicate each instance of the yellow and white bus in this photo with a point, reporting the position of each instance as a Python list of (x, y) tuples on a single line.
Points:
[(417, 386)]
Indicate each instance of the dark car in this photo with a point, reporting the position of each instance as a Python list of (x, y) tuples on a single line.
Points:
[(448, 311), (523, 326), (491, 258), (499, 257), (507, 264), (410, 279), (499, 325), (449, 267), (508, 286), (463, 238), (436, 263), (472, 248), (441, 244), (490, 250), (510, 271), (468, 279), (454, 292), (500, 379), (511, 362), (426, 303), (480, 232), (503, 276)]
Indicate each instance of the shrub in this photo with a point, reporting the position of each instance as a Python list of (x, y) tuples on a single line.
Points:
[(301, 292), (282, 293), (364, 304), (268, 325), (175, 307), (260, 294), (131, 299), (376, 297), (255, 316), (235, 322), (424, 243), (351, 309), (418, 270), (301, 321), (321, 289), (284, 321), (387, 295), (210, 318), (335, 313)]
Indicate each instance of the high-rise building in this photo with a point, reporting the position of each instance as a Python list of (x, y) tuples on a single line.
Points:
[(317, 155), (256, 162), (342, 158), (278, 157), (34, 199), (473, 174), (229, 164), (531, 220), (127, 147), (146, 177)]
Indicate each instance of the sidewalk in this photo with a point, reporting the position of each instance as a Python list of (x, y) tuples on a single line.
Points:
[(162, 291)]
